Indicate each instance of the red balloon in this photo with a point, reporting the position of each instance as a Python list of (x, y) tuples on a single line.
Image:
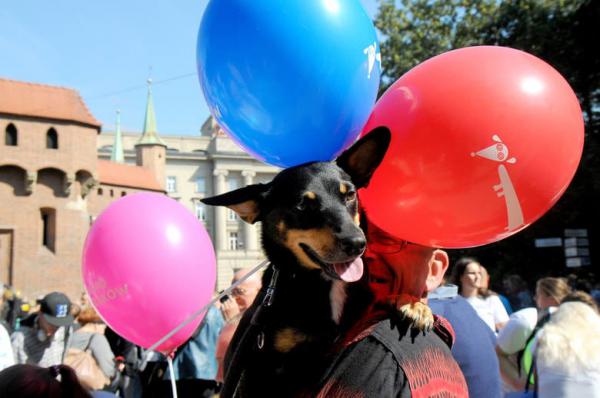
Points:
[(484, 141)]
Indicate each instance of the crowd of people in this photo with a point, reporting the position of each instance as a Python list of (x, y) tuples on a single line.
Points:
[(546, 342), (64, 349), (508, 342)]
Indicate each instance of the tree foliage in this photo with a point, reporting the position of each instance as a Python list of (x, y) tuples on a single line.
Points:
[(414, 31), (565, 34)]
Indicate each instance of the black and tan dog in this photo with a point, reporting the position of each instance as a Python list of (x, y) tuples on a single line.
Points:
[(311, 235)]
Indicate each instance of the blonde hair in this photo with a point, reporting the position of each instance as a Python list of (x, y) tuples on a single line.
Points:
[(582, 297), (88, 315), (557, 288), (570, 341)]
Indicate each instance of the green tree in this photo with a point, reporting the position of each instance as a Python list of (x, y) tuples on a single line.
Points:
[(414, 31), (565, 34)]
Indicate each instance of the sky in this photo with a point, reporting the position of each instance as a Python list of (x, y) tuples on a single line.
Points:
[(106, 50)]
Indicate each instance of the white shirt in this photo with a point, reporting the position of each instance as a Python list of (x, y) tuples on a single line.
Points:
[(6, 352), (512, 338), (28, 349), (555, 383), (489, 309)]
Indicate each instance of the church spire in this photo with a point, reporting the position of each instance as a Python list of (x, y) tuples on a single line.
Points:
[(150, 133), (117, 154)]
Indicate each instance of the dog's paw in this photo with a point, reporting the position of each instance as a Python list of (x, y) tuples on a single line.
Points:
[(418, 314)]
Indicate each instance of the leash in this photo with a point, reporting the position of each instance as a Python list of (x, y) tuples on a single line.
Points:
[(238, 372), (266, 303), (206, 307)]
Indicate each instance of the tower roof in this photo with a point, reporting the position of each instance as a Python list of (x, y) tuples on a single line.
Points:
[(150, 133), (41, 100), (117, 154), (125, 175)]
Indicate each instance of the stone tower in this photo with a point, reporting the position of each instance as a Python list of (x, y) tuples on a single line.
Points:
[(150, 149)]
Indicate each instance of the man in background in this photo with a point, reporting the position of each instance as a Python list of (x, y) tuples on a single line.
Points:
[(474, 347), (42, 338)]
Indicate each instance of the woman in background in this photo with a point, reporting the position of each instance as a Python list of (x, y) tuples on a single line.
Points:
[(91, 336), (515, 340), (467, 275)]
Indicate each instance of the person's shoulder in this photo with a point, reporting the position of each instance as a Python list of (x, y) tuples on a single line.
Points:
[(461, 314), (458, 302), (397, 335), (83, 334), (526, 316), (80, 339), (366, 367), (475, 300), (493, 299), (215, 316)]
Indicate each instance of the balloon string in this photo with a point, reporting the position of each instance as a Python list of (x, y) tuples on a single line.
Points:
[(172, 374), (207, 306)]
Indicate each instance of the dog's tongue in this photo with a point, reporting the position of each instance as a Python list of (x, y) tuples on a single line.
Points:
[(350, 271)]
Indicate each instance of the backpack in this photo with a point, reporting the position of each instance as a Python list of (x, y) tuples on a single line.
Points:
[(89, 373), (525, 360)]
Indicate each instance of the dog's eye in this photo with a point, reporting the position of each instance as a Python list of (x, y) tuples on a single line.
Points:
[(350, 196)]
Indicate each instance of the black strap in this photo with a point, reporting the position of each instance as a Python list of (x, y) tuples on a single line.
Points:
[(530, 373), (250, 337), (258, 317), (89, 342), (540, 323), (66, 342)]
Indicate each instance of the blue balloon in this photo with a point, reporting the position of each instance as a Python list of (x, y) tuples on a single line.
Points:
[(291, 81)]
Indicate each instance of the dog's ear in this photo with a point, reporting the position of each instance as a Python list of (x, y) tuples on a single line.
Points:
[(246, 202), (362, 158)]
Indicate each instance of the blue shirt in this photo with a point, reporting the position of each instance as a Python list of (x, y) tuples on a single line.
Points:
[(505, 303), (197, 357), (474, 347)]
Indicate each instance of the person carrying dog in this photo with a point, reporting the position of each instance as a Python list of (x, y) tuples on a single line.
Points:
[(397, 348)]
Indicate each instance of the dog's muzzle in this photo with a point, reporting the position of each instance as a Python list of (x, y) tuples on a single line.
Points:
[(348, 271)]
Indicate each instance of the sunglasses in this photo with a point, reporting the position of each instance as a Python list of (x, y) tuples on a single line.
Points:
[(382, 244), (238, 291)]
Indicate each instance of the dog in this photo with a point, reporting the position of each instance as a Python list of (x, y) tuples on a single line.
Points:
[(312, 238)]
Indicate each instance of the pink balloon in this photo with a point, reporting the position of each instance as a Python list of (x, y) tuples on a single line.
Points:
[(148, 264)]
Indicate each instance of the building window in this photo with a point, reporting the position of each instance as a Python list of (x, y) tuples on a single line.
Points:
[(48, 228), (52, 139), (232, 184), (123, 193), (100, 191), (171, 184), (231, 215), (112, 193), (11, 135), (233, 241), (200, 210), (200, 184)]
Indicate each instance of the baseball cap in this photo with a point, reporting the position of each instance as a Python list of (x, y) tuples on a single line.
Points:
[(56, 308)]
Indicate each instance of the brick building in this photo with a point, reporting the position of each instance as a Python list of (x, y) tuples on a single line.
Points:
[(57, 173), (52, 184)]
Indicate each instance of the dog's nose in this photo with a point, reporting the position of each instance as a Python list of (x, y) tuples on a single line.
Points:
[(354, 246)]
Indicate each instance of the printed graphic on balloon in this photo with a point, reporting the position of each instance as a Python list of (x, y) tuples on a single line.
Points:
[(484, 141), (290, 81), (148, 264)]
